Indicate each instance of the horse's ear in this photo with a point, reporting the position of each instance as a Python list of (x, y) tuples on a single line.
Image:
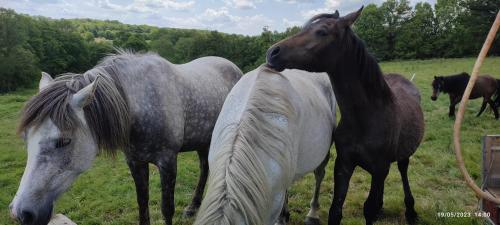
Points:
[(336, 14), (435, 77), (84, 96), (45, 81), (350, 18)]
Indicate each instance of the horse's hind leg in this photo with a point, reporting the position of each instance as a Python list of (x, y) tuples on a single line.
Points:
[(373, 205), (168, 172), (483, 107), (495, 109), (319, 173), (191, 209), (140, 173), (411, 215), (285, 213)]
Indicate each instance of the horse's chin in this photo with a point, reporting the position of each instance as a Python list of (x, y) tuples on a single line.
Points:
[(278, 68)]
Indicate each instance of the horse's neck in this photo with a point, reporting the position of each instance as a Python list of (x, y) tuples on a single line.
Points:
[(359, 86)]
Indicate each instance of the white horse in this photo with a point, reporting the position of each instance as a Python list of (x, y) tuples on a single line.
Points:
[(273, 129)]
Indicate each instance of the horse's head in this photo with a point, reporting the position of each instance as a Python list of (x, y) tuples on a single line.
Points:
[(437, 87), (59, 146), (320, 44)]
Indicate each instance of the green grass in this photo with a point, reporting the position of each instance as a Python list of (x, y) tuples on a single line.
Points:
[(106, 195)]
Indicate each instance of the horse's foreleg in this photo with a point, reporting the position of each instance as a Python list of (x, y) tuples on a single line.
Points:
[(375, 200), (453, 102), (191, 209), (168, 172), (140, 173), (342, 174), (285, 214), (411, 215), (483, 107), (319, 173)]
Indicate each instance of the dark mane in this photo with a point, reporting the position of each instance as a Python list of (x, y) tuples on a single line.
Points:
[(370, 73), (455, 83), (321, 16), (107, 115)]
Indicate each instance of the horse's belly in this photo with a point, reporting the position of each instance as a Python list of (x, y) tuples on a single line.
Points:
[(314, 147)]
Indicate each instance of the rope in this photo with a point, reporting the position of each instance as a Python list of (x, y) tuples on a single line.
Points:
[(458, 121)]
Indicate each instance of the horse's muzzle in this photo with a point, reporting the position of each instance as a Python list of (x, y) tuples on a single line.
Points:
[(273, 58), (28, 216)]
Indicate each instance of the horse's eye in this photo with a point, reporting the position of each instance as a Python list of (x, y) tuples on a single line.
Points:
[(62, 142), (321, 33)]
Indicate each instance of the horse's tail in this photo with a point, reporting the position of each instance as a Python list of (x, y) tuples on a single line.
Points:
[(238, 187), (496, 101)]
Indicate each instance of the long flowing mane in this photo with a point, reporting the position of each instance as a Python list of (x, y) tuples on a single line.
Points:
[(107, 115), (238, 181), (370, 74), (455, 83)]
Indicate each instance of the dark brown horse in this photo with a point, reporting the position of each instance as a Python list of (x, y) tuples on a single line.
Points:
[(381, 120), (454, 85)]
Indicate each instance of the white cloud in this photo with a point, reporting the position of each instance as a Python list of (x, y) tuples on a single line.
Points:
[(329, 6), (221, 15), (291, 23), (296, 1), (222, 20), (242, 4), (146, 6)]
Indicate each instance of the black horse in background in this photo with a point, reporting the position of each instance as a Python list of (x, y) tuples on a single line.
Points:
[(454, 85)]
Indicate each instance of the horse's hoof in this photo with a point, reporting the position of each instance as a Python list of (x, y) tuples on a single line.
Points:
[(411, 217), (189, 212), (311, 221)]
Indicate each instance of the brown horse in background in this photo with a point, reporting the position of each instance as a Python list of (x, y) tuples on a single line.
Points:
[(454, 85), (381, 118)]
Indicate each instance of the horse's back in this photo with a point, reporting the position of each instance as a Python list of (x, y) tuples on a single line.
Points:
[(399, 84), (218, 66), (172, 105)]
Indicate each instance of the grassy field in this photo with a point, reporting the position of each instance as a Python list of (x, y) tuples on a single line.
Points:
[(105, 194)]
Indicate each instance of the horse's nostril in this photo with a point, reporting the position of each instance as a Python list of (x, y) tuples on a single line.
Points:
[(275, 51), (27, 217)]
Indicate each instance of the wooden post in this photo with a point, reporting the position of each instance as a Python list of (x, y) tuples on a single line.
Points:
[(460, 116)]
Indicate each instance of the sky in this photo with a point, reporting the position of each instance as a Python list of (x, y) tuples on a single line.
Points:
[(246, 17)]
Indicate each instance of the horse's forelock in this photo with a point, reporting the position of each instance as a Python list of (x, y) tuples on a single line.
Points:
[(107, 115), (321, 16), (52, 102)]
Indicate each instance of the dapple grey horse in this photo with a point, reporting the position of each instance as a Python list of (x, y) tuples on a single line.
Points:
[(141, 103), (273, 129)]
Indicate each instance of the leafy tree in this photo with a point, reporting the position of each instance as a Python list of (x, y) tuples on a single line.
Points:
[(396, 13), (370, 27), (18, 69), (417, 35), (163, 46), (136, 42)]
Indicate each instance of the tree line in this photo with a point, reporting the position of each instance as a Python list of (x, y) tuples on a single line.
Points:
[(392, 30)]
